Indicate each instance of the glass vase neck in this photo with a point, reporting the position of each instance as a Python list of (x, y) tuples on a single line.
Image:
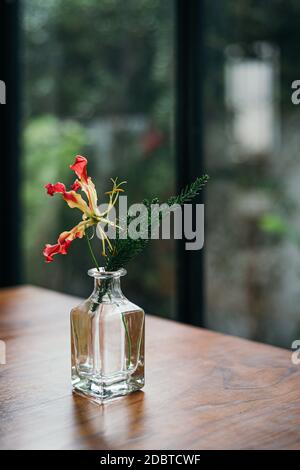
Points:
[(102, 274), (107, 284)]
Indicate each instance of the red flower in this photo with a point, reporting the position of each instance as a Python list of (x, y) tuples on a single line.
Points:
[(76, 185), (72, 198), (91, 214), (85, 182), (64, 241), (80, 168), (50, 251), (55, 188)]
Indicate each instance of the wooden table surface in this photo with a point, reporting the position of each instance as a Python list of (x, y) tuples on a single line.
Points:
[(203, 390)]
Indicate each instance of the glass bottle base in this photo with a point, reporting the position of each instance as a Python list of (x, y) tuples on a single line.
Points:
[(102, 392)]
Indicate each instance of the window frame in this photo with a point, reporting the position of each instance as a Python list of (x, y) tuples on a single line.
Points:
[(189, 60), (10, 132)]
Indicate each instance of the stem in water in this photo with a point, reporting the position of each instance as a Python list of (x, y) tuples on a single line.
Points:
[(128, 340), (91, 252)]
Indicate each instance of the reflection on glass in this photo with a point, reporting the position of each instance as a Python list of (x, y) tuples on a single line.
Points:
[(252, 155)]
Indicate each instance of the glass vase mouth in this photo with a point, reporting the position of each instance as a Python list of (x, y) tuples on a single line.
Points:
[(102, 274)]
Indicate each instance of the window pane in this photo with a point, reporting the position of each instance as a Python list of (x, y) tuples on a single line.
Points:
[(252, 152), (98, 82)]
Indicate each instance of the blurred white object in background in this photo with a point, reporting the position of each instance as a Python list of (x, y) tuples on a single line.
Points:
[(251, 95)]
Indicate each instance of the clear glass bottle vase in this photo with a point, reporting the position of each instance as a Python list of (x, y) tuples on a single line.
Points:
[(107, 341)]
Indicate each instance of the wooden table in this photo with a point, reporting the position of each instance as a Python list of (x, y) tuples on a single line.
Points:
[(204, 390)]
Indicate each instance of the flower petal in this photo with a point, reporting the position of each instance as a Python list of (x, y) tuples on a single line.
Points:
[(79, 166), (51, 250), (76, 185), (55, 188), (86, 183), (90, 191), (72, 198), (64, 241)]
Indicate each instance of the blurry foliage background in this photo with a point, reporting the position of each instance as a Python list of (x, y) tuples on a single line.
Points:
[(253, 157), (99, 81)]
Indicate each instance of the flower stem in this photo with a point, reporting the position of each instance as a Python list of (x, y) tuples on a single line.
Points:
[(91, 252), (101, 293), (128, 341)]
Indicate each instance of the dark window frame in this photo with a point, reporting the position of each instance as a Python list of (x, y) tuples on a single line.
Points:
[(189, 60), (10, 132)]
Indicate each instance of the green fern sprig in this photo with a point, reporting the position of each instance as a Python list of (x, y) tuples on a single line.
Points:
[(189, 192), (124, 250)]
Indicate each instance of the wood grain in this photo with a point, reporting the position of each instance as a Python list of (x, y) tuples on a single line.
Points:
[(204, 390)]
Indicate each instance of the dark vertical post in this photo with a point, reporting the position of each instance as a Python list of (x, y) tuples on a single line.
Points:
[(189, 146), (10, 143)]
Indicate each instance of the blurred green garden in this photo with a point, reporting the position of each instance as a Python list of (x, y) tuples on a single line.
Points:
[(98, 82)]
